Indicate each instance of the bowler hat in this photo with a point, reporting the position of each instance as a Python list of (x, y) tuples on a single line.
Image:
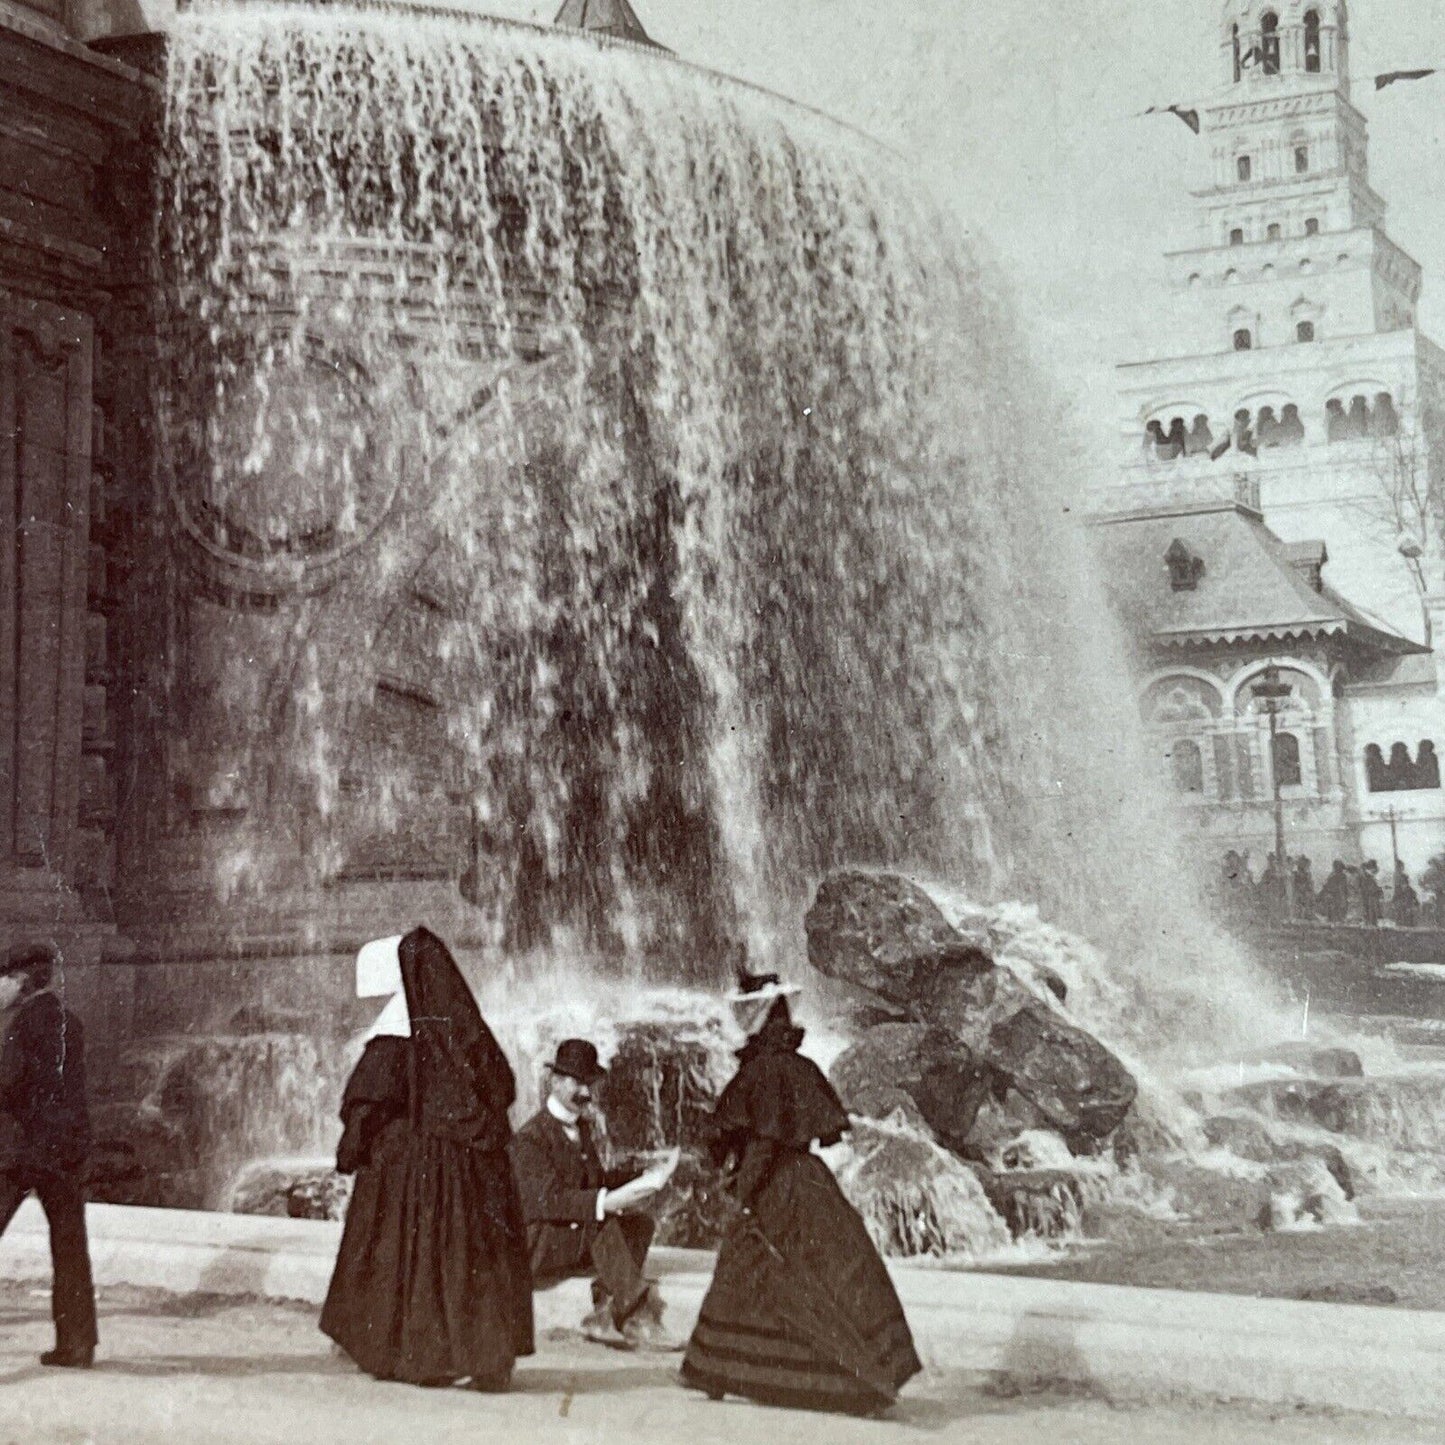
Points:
[(30, 958), (578, 1060)]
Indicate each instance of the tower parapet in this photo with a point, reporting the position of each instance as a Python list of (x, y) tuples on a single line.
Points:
[(1290, 347)]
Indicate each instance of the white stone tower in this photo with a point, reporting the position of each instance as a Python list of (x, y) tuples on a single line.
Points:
[(1291, 332)]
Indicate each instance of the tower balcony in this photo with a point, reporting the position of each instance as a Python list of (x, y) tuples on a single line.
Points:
[(1192, 484)]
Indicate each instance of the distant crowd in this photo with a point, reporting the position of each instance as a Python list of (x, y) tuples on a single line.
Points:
[(1350, 893)]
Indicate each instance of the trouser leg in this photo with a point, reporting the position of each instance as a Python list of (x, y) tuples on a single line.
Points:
[(72, 1293), (12, 1194), (619, 1251)]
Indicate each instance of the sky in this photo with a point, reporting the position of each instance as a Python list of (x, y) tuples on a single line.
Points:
[(1020, 118)]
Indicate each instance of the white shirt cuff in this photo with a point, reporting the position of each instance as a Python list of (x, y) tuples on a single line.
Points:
[(601, 1205)]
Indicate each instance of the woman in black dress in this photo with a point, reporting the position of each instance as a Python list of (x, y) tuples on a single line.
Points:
[(801, 1310), (432, 1283)]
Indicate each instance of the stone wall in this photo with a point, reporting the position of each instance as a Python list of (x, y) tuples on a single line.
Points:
[(71, 122)]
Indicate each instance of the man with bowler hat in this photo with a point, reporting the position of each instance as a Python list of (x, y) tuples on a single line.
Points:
[(583, 1219), (45, 1136)]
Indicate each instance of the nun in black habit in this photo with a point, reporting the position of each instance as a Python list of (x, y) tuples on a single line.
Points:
[(432, 1283), (801, 1311)]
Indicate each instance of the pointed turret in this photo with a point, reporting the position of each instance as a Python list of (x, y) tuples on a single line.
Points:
[(615, 18)]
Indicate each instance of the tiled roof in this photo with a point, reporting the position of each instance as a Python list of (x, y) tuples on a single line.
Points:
[(1248, 590)]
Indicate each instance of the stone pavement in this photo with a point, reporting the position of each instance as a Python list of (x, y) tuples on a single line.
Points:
[(209, 1369)]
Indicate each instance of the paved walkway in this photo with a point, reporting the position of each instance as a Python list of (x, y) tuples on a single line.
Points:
[(206, 1369)]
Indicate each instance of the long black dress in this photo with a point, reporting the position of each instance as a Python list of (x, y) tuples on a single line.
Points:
[(801, 1311), (432, 1282)]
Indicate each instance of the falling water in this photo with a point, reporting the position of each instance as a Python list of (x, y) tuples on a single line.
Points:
[(629, 480)]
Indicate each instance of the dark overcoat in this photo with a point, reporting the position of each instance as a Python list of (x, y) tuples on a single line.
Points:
[(44, 1119), (559, 1181)]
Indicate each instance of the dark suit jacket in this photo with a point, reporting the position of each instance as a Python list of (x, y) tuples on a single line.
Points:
[(44, 1121), (559, 1181)]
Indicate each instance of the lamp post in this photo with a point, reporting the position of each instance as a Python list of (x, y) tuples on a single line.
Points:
[(1270, 693), (1392, 817)]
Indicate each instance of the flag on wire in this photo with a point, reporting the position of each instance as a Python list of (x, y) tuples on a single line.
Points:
[(1189, 117), (1251, 57), (1391, 76), (1220, 450)]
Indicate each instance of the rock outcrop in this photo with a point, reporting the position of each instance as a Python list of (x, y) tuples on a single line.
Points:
[(884, 933), (915, 1197), (979, 1052)]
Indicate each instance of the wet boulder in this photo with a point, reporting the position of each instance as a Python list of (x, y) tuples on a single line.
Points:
[(883, 933), (1244, 1135), (971, 1002), (1313, 1060), (662, 1081), (1303, 1195), (1003, 1118), (1227, 1200), (1249, 1137), (872, 1075), (1066, 1074), (1035, 1203), (915, 1197), (1325, 1103), (928, 1072), (291, 1190)]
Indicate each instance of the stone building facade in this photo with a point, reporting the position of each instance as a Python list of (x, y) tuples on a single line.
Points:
[(71, 119), (1292, 387)]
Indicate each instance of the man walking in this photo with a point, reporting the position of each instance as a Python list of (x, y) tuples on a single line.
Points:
[(583, 1219), (45, 1136), (1371, 894)]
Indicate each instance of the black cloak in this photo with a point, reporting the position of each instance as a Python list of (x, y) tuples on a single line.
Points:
[(432, 1282), (801, 1310)]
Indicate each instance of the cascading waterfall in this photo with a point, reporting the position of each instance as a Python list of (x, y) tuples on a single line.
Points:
[(630, 480), (732, 503)]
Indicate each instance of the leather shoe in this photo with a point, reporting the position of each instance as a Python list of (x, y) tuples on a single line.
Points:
[(644, 1333), (69, 1359), (643, 1327), (601, 1328)]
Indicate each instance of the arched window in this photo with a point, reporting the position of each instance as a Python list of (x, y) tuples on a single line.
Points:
[(1236, 236), (1304, 331), (1427, 766), (1243, 340), (1375, 778), (1384, 420), (1269, 42), (1272, 231), (1284, 758), (1201, 438), (1358, 418), (1402, 774), (1312, 41), (1187, 763), (1243, 167), (1400, 770), (1312, 226), (1301, 159), (1291, 428)]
